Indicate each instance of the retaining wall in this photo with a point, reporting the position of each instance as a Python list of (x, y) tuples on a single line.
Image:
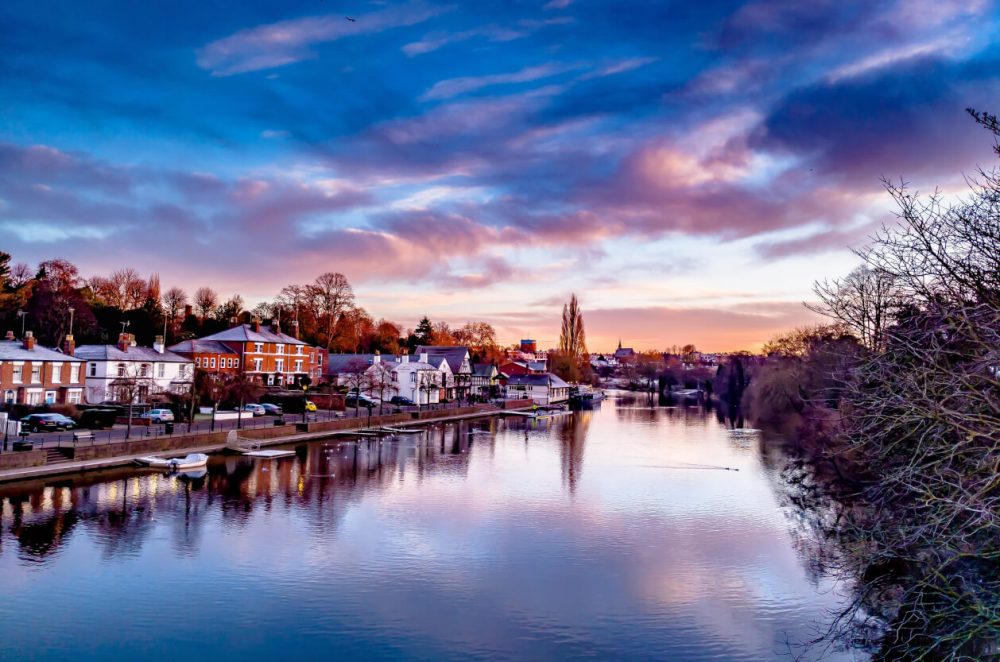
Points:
[(22, 459)]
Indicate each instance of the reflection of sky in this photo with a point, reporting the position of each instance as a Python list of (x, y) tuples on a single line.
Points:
[(448, 549)]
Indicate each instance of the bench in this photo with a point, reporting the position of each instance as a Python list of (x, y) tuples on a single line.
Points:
[(83, 436)]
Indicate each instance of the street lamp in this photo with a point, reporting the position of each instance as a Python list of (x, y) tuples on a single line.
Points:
[(71, 311), (22, 314)]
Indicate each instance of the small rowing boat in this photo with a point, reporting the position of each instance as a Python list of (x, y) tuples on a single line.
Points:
[(189, 461)]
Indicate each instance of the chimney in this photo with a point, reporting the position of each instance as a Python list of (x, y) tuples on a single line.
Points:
[(10, 335), (405, 358), (69, 345), (124, 341), (29, 340), (294, 331), (276, 325), (423, 357), (255, 325), (158, 344), (188, 311), (377, 358)]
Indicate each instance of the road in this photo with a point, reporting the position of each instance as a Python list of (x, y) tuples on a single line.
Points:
[(119, 432)]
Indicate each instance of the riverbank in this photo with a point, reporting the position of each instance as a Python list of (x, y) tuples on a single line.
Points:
[(38, 463)]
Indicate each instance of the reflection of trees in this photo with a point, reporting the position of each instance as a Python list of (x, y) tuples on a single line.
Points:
[(572, 433), (121, 507)]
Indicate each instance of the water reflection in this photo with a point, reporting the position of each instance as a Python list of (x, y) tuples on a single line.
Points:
[(602, 533)]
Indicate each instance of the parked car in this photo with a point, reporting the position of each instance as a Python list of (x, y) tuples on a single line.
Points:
[(272, 409), (257, 410), (401, 400), (359, 400), (46, 422), (159, 416), (310, 405)]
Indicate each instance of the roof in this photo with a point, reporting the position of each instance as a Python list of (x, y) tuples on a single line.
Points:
[(454, 354), (624, 351), (484, 369), (245, 333), (339, 362), (202, 347), (545, 379), (13, 350), (112, 353)]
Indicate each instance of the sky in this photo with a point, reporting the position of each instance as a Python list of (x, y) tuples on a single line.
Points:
[(688, 169)]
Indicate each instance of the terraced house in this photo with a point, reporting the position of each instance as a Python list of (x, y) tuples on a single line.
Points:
[(126, 372), (264, 353), (35, 375)]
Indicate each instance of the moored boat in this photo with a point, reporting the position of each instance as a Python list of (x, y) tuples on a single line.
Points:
[(189, 461)]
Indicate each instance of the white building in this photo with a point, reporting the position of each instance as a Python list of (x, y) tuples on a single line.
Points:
[(543, 389), (421, 378), (125, 371)]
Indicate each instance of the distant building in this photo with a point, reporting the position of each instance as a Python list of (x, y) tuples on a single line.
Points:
[(486, 382), (459, 366), (529, 346), (34, 375), (624, 354)]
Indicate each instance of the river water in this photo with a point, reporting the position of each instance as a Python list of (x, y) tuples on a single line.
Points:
[(614, 533)]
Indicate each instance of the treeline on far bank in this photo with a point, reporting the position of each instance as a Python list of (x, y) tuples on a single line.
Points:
[(895, 408)]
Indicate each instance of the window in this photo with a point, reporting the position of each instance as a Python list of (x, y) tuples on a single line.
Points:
[(230, 363), (161, 370), (9, 396), (93, 369), (258, 347), (279, 365), (236, 363), (211, 362), (144, 370), (258, 365), (121, 369), (34, 398), (73, 397), (298, 350), (279, 348), (56, 373), (298, 366), (18, 373), (36, 373), (74, 373), (197, 361)]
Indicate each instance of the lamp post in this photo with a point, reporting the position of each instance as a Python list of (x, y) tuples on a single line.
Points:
[(305, 387), (71, 311), (22, 314)]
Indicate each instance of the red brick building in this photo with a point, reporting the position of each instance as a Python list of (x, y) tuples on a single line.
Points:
[(36, 375), (262, 352)]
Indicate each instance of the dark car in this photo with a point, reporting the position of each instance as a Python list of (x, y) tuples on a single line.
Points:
[(98, 417), (272, 409), (46, 422), (356, 400), (401, 401)]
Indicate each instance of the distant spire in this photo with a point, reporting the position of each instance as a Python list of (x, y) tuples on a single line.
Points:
[(619, 343)]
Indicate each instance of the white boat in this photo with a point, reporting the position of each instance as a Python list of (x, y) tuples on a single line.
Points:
[(190, 461)]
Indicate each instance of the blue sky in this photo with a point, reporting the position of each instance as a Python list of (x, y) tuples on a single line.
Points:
[(687, 168)]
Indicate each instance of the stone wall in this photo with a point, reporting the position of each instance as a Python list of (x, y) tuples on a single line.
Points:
[(22, 459)]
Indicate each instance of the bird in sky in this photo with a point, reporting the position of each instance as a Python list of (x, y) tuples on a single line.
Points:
[(351, 19)]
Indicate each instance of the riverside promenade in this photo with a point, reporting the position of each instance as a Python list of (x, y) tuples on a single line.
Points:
[(79, 458)]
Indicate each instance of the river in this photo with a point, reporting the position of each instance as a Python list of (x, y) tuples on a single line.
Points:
[(629, 531)]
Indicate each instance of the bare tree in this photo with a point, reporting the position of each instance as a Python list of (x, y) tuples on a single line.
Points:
[(331, 295), (864, 302), (382, 380), (20, 275), (357, 378), (174, 301), (205, 300)]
